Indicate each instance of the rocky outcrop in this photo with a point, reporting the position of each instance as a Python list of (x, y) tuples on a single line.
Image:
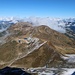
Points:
[(13, 71)]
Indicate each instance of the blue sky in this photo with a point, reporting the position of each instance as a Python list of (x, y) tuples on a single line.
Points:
[(41, 8)]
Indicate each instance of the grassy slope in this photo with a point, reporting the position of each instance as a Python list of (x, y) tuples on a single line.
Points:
[(56, 41)]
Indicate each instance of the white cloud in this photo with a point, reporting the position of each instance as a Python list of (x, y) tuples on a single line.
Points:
[(51, 22), (54, 23)]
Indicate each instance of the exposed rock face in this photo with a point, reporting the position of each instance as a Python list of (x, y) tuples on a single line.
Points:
[(70, 29), (45, 47), (12, 71)]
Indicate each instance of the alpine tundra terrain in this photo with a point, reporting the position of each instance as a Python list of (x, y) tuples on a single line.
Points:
[(29, 46)]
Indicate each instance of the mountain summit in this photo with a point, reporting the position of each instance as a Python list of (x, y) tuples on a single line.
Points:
[(35, 46), (61, 25)]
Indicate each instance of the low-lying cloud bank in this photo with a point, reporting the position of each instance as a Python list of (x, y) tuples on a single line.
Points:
[(54, 23)]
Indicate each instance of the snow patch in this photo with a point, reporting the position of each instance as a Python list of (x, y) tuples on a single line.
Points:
[(69, 57)]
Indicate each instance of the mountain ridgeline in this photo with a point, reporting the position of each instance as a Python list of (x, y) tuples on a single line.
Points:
[(35, 46)]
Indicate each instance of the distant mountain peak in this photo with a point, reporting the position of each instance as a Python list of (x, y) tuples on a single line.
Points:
[(58, 24)]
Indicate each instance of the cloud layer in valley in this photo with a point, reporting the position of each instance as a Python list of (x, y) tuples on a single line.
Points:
[(54, 23)]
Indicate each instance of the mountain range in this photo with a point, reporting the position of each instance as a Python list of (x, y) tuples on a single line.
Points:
[(28, 45), (66, 26)]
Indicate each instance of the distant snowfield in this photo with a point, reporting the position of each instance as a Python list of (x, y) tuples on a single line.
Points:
[(68, 71), (70, 58), (45, 73), (54, 71)]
